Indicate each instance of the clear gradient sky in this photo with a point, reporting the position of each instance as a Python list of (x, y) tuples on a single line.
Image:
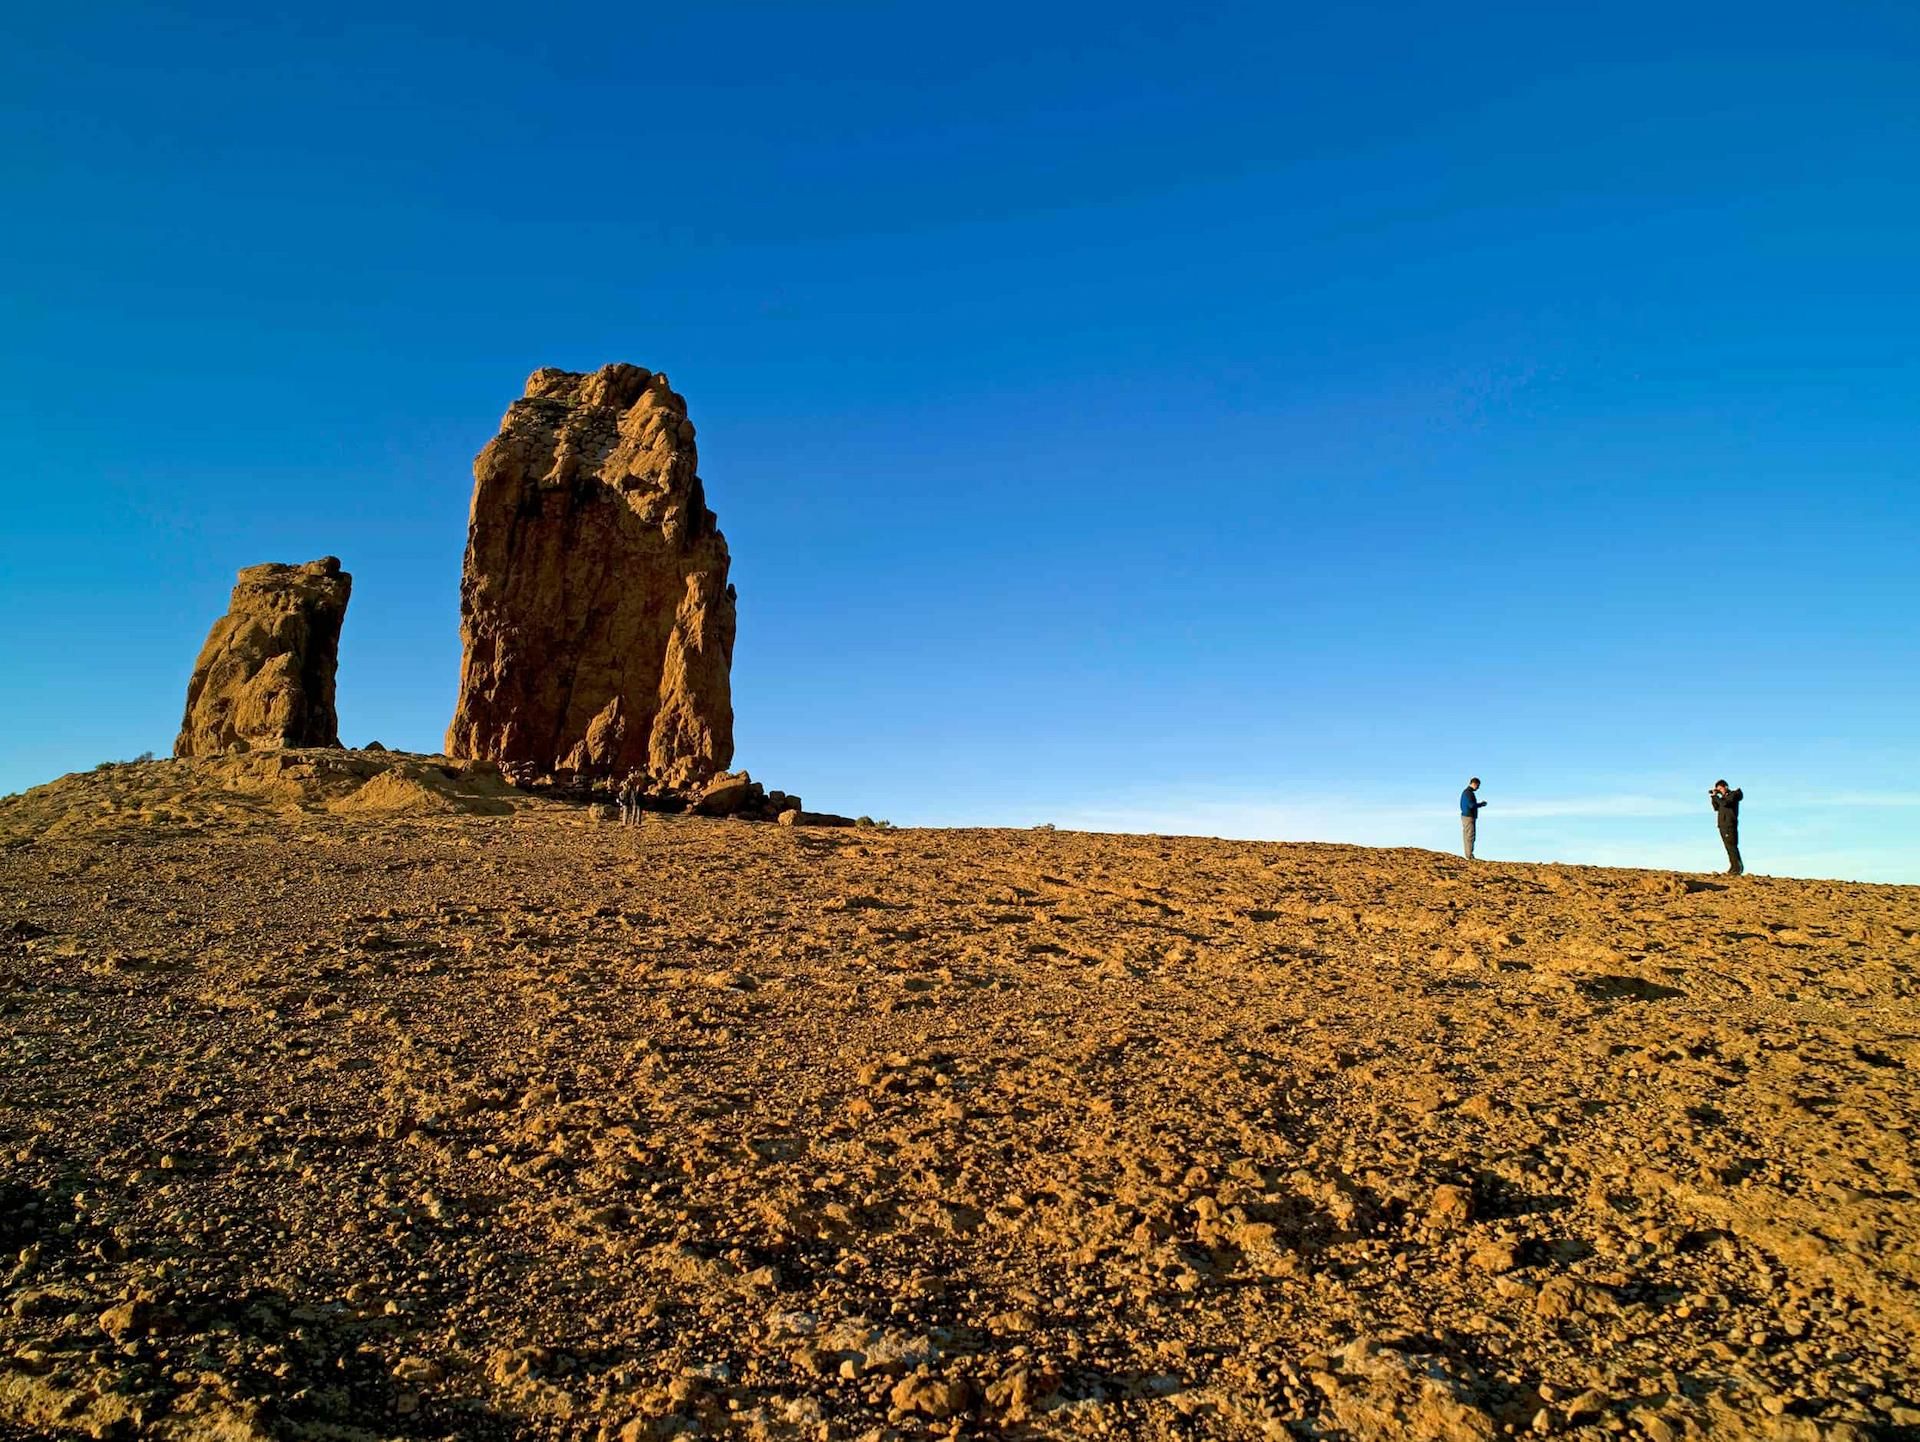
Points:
[(1244, 419)]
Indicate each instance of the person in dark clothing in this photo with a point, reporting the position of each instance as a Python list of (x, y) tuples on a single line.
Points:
[(1726, 805), (1470, 806)]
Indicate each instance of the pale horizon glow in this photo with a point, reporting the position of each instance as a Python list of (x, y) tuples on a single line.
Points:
[(1803, 838)]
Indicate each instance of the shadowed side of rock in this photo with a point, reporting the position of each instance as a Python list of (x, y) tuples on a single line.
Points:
[(597, 623), (265, 677)]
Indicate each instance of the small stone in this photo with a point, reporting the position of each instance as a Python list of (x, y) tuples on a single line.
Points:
[(683, 1390), (931, 1396), (1495, 1257), (1589, 1406), (38, 1301), (418, 1371), (126, 1320), (1449, 1208)]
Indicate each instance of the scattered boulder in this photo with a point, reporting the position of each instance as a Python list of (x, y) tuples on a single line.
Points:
[(265, 677), (597, 623), (132, 1318), (933, 1396), (729, 794), (1495, 1256), (794, 816), (1449, 1208)]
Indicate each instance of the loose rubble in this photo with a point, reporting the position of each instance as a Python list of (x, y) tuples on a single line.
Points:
[(425, 1124)]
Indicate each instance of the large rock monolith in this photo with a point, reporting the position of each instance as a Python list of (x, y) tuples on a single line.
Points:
[(596, 621), (265, 677)]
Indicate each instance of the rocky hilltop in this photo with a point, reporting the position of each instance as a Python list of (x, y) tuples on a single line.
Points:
[(265, 676), (597, 623), (423, 1124), (254, 789)]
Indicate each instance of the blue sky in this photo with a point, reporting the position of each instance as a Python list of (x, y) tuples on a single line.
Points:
[(1239, 419)]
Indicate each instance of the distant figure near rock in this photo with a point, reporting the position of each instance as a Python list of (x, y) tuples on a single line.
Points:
[(596, 621), (265, 677)]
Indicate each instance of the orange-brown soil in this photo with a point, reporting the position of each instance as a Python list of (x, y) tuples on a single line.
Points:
[(457, 1115)]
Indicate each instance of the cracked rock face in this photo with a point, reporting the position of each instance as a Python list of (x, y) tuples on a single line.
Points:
[(265, 676), (596, 620)]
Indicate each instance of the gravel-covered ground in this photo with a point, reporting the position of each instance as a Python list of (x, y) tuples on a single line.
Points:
[(351, 1124)]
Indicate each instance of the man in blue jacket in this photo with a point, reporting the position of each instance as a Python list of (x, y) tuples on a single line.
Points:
[(1469, 816)]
